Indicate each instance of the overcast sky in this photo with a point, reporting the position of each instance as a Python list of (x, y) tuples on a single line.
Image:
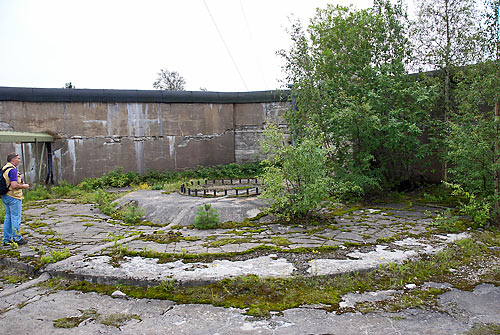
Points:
[(220, 45)]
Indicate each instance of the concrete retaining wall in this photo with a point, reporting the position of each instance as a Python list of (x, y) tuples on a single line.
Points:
[(137, 130)]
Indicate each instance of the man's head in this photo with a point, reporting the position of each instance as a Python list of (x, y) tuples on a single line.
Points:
[(14, 159)]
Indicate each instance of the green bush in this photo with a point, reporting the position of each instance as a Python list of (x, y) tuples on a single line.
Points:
[(479, 210), (295, 179), (158, 179), (206, 217)]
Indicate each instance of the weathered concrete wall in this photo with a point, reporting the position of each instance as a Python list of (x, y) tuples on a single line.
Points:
[(98, 137), (249, 121)]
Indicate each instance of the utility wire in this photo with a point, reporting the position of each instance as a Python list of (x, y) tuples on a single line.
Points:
[(257, 58), (225, 45)]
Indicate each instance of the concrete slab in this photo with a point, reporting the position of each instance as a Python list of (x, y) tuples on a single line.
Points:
[(147, 270)]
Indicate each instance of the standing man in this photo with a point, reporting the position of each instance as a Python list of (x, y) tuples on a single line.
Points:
[(12, 201)]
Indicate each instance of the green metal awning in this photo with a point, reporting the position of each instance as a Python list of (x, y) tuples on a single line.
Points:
[(23, 137)]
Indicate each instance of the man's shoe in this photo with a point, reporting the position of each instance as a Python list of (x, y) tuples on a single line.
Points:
[(6, 243), (21, 242)]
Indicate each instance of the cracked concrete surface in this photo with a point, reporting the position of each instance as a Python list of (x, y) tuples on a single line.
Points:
[(360, 239)]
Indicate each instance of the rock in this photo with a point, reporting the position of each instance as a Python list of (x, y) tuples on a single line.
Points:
[(119, 294), (410, 286)]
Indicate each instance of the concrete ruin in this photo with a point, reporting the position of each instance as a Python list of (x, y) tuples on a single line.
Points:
[(98, 131)]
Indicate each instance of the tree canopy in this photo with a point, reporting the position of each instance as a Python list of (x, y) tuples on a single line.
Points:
[(170, 81), (377, 124)]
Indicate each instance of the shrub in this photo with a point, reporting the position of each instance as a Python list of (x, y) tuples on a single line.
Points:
[(295, 179), (206, 217), (133, 214)]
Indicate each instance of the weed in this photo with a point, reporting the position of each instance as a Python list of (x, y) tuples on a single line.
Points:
[(448, 222), (118, 251), (55, 256)]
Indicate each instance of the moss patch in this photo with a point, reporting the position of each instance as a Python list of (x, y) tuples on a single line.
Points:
[(112, 320), (484, 329)]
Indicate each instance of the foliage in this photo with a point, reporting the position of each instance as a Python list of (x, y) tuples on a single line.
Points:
[(444, 33), (55, 256), (206, 217), (349, 82), (478, 210), (295, 179), (63, 190), (448, 222), (133, 214), (157, 179), (474, 128), (169, 80)]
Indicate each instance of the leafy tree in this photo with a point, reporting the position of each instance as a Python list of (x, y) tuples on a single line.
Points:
[(169, 80), (295, 179), (474, 148), (444, 35), (349, 81)]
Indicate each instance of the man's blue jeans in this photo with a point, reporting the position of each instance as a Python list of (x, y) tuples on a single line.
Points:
[(12, 222)]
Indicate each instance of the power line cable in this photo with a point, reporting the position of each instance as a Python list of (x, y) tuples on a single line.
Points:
[(225, 45), (257, 58)]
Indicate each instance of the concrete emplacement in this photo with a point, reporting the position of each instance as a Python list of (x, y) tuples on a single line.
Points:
[(360, 240)]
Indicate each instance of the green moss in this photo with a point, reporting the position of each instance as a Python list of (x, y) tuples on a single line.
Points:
[(385, 240), (46, 232), (37, 224), (118, 319), (246, 231), (205, 257), (280, 241), (14, 279), (112, 320), (163, 237), (11, 253), (484, 329), (74, 321), (352, 244), (345, 210), (225, 241)]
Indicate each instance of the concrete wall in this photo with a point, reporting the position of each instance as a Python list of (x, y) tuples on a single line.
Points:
[(96, 137)]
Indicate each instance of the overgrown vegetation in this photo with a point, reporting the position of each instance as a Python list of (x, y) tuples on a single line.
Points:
[(157, 180), (350, 86), (294, 176), (379, 127)]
